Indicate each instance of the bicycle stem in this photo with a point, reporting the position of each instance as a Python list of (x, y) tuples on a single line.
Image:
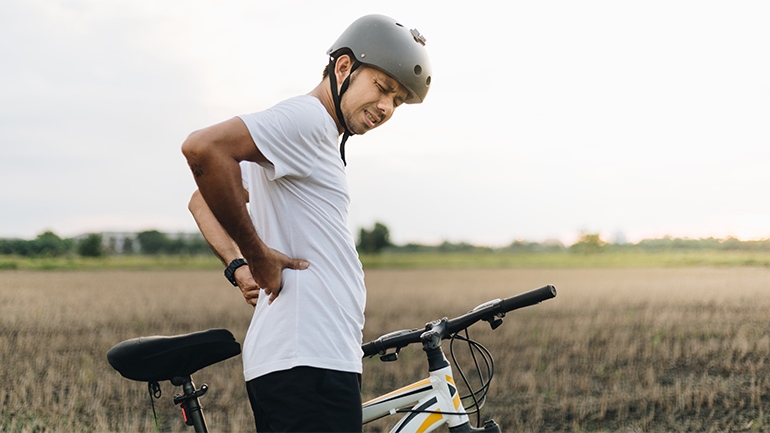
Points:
[(431, 344)]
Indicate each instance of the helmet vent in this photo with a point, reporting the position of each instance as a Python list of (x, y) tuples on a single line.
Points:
[(417, 70), (427, 81)]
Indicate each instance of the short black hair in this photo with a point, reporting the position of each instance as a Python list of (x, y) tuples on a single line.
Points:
[(334, 55)]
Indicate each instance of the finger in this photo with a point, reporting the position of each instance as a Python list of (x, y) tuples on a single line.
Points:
[(298, 264), (274, 294), (252, 295), (272, 297)]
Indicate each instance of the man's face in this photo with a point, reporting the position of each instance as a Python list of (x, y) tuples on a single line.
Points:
[(371, 99)]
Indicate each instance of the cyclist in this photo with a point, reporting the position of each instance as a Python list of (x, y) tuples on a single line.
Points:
[(302, 352)]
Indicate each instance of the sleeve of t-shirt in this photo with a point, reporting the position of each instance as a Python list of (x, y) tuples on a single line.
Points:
[(288, 135), (245, 174)]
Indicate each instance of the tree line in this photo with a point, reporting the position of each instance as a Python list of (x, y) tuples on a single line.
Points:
[(150, 242), (375, 240)]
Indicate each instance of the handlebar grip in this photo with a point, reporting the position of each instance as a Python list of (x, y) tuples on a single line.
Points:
[(369, 349), (529, 298), (483, 312)]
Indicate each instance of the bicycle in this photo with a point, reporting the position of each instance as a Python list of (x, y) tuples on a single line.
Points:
[(427, 404)]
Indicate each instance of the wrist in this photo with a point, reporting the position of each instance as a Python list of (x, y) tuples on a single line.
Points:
[(230, 270)]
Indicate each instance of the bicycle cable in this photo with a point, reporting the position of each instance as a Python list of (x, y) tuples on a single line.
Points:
[(476, 350), (479, 396), (154, 390)]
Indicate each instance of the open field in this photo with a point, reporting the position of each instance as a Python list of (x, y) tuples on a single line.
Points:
[(672, 258), (619, 349)]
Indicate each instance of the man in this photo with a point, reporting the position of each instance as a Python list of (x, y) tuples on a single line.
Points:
[(302, 352)]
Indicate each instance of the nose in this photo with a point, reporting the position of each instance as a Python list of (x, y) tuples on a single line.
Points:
[(386, 106)]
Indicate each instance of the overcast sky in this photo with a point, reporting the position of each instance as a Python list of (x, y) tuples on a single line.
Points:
[(545, 118)]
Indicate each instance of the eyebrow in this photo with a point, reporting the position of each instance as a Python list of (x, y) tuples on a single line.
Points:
[(394, 86)]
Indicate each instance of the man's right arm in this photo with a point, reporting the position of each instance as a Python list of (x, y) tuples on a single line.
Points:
[(214, 154)]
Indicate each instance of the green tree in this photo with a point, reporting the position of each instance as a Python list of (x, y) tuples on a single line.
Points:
[(152, 242), (588, 243), (48, 244), (375, 240), (16, 246), (176, 246), (198, 245), (128, 246), (91, 246)]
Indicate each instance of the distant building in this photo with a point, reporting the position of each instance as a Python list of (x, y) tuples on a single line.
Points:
[(128, 243), (619, 238)]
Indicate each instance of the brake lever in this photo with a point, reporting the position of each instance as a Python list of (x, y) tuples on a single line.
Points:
[(495, 321), (390, 357)]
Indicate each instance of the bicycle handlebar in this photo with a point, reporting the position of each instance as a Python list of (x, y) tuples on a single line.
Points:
[(488, 311)]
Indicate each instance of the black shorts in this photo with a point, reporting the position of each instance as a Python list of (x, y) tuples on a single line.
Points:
[(306, 399)]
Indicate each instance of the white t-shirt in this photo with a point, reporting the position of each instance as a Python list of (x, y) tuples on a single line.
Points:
[(299, 206)]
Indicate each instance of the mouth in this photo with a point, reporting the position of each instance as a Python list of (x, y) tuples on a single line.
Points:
[(371, 119)]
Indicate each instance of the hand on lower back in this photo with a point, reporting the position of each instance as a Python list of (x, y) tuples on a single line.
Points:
[(267, 271)]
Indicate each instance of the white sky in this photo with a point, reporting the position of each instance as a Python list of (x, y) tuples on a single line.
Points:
[(545, 119)]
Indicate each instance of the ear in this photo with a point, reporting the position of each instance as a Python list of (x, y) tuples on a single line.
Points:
[(342, 68)]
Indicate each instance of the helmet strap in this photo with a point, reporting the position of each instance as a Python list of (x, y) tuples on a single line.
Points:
[(337, 97)]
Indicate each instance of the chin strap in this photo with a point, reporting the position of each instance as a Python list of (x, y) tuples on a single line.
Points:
[(337, 97)]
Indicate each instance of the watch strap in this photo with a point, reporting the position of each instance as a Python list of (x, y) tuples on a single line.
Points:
[(230, 270)]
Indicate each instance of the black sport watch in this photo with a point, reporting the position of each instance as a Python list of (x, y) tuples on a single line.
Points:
[(230, 270)]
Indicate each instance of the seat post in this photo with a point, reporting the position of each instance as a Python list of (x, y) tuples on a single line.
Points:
[(191, 406)]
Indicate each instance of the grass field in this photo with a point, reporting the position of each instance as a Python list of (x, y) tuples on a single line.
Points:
[(448, 260), (619, 349)]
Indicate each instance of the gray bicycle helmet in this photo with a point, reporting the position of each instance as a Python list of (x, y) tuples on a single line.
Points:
[(384, 43)]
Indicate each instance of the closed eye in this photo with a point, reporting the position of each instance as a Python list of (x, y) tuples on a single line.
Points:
[(387, 88)]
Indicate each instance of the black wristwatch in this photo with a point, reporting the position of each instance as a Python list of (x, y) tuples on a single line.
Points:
[(230, 270)]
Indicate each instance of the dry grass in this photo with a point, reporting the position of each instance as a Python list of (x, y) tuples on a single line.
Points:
[(617, 350)]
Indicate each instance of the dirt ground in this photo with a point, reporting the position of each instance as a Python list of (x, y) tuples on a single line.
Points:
[(681, 349)]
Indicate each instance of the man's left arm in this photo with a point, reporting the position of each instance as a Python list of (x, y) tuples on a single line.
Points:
[(223, 245)]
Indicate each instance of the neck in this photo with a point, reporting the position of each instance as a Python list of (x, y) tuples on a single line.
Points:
[(323, 93)]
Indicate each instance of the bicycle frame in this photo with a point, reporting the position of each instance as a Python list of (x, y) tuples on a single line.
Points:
[(433, 400)]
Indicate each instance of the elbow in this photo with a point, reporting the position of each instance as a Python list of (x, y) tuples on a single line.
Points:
[(195, 151), (194, 147), (198, 146)]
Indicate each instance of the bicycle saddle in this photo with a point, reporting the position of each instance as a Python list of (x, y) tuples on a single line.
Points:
[(159, 358)]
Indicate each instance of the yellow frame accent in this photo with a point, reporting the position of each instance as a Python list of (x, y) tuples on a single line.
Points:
[(429, 421), (423, 382)]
